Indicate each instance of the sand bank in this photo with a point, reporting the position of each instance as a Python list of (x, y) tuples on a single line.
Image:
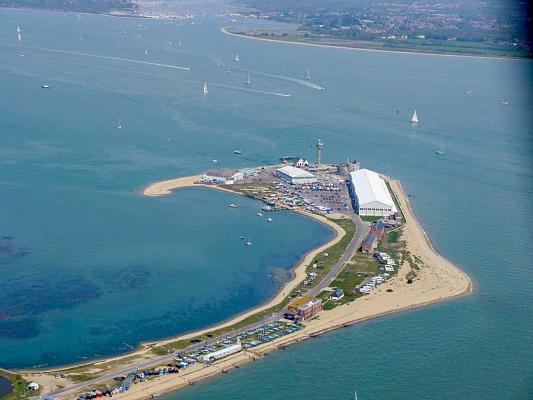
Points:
[(406, 51), (437, 280)]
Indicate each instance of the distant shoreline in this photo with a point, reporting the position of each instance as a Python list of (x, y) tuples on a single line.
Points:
[(381, 50)]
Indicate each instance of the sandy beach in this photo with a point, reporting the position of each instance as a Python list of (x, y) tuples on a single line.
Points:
[(227, 32), (437, 280)]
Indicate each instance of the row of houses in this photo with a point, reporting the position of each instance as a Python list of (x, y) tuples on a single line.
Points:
[(373, 237)]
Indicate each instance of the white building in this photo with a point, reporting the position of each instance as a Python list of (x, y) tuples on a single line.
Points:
[(295, 176), (223, 176), (224, 352), (301, 163), (370, 194)]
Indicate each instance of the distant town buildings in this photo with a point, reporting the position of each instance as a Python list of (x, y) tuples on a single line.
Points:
[(295, 176), (370, 195)]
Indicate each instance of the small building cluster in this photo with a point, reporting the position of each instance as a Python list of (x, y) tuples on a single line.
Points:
[(303, 308), (373, 237), (223, 176), (223, 352), (385, 260)]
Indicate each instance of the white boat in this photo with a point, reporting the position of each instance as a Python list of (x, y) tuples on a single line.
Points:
[(248, 81), (308, 76), (242, 237), (249, 242), (414, 120), (45, 86), (19, 34), (233, 205), (214, 161), (146, 52), (259, 214), (440, 151), (238, 152), (269, 219), (119, 126), (505, 102), (237, 59), (205, 88)]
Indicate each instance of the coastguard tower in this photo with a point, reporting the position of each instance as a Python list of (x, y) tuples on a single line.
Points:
[(319, 147)]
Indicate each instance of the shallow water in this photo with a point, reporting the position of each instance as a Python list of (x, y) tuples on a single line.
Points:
[(66, 166)]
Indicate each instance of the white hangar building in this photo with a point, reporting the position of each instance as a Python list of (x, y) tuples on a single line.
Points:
[(370, 194)]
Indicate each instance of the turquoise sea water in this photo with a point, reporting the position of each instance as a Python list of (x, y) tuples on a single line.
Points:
[(69, 178)]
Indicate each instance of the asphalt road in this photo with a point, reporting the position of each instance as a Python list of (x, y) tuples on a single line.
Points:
[(361, 230)]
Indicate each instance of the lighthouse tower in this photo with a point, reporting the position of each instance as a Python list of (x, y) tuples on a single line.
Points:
[(319, 147)]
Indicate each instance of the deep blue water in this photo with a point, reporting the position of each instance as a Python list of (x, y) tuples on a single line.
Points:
[(5, 386), (69, 200)]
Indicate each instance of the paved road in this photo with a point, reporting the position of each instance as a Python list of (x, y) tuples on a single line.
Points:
[(361, 230)]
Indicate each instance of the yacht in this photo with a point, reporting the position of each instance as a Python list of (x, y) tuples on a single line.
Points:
[(249, 242), (233, 205), (19, 34), (259, 214), (45, 86), (505, 102), (440, 151), (205, 88), (414, 119), (248, 81), (237, 59), (269, 219), (119, 126), (238, 152), (308, 76)]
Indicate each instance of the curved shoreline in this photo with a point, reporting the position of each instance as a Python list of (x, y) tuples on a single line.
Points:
[(227, 32), (438, 280), (166, 188)]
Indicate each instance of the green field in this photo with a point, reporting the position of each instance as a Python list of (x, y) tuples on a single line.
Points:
[(19, 387)]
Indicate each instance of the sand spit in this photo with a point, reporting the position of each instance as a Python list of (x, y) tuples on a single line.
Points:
[(437, 280)]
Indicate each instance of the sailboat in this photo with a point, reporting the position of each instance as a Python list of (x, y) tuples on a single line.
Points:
[(308, 76), (19, 34), (440, 151), (119, 126), (414, 120), (248, 81), (249, 242), (205, 88), (237, 59), (146, 52)]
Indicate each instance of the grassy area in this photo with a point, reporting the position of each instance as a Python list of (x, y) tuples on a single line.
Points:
[(324, 264), (369, 218), (419, 46), (19, 387)]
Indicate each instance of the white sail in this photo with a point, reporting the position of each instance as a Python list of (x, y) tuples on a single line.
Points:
[(205, 88), (19, 34), (237, 59), (308, 76), (248, 81), (414, 120)]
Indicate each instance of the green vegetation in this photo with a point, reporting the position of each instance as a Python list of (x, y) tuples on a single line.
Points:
[(473, 27), (19, 386), (369, 218)]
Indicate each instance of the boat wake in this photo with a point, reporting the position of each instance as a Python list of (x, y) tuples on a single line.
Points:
[(251, 90), (289, 79), (78, 53)]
